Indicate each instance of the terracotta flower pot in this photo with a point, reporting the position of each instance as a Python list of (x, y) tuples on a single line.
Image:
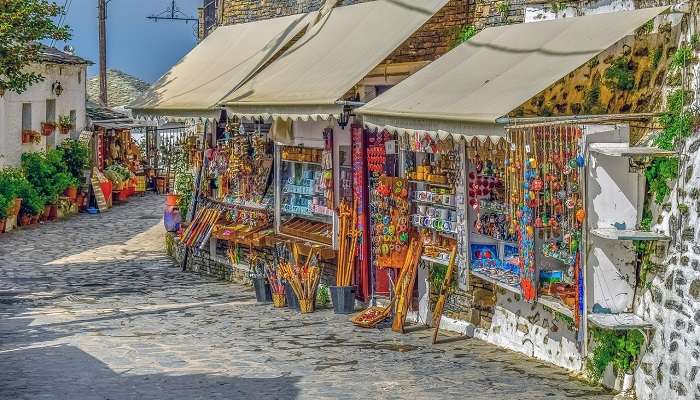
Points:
[(14, 210), (25, 219), (2, 225), (53, 212), (71, 193), (33, 219), (172, 199), (64, 129), (47, 129)]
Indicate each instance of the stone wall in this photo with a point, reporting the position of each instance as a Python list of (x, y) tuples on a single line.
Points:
[(488, 13), (434, 39)]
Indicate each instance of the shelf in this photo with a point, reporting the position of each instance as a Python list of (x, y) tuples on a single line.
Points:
[(618, 322), (438, 205), (625, 150), (628, 234), (433, 184), (480, 237), (556, 305), (302, 162), (434, 260), (496, 282)]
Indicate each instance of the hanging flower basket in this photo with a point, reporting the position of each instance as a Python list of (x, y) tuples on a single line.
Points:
[(30, 136), (64, 124), (64, 129), (48, 128)]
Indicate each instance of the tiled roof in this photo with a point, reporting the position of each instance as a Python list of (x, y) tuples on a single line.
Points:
[(95, 112), (122, 88), (53, 55)]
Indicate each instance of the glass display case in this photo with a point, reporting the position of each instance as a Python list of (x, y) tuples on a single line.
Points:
[(305, 205)]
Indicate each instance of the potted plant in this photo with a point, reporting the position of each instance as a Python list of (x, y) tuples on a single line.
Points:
[(184, 184), (12, 185), (48, 128), (76, 155), (32, 205), (48, 174), (30, 136), (64, 124)]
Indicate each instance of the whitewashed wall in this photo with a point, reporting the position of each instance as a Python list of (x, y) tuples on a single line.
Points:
[(72, 78)]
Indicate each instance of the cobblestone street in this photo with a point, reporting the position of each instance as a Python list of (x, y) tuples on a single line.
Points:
[(92, 308)]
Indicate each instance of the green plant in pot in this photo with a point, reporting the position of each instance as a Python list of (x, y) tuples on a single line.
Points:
[(184, 183), (47, 173), (76, 155), (64, 124), (11, 181)]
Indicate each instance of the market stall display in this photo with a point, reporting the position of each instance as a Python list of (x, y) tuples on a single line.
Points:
[(302, 277), (526, 212), (307, 191)]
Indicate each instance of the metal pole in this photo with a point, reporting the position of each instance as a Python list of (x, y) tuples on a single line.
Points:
[(102, 16)]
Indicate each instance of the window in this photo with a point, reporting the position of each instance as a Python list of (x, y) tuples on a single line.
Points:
[(74, 126), (50, 110), (26, 116), (80, 76), (50, 117)]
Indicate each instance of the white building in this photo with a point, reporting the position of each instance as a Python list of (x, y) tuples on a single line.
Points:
[(61, 93)]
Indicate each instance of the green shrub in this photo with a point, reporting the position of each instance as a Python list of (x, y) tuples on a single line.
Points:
[(76, 155), (48, 174), (12, 181), (620, 349), (620, 75)]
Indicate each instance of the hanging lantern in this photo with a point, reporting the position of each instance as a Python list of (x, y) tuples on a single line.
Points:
[(580, 215), (580, 161)]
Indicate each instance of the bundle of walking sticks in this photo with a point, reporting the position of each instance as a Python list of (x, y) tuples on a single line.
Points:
[(404, 285), (303, 278), (348, 236), (199, 231)]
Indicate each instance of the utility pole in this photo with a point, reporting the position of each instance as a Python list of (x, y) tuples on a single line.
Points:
[(102, 16)]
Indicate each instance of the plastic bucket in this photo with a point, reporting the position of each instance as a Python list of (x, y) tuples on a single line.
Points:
[(263, 294), (343, 298), (292, 301)]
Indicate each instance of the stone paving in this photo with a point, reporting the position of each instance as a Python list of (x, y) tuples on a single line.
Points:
[(91, 308)]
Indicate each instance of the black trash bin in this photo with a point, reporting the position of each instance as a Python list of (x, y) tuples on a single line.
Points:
[(292, 301), (263, 294), (343, 298)]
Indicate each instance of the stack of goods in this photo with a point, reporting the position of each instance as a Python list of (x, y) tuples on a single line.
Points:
[(485, 261), (370, 317), (303, 278), (348, 243), (275, 280), (311, 230), (436, 210), (404, 285), (302, 154), (437, 247), (390, 215), (199, 231)]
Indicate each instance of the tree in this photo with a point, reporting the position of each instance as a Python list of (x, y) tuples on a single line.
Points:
[(23, 23)]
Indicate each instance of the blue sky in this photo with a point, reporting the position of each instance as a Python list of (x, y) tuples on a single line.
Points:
[(135, 45)]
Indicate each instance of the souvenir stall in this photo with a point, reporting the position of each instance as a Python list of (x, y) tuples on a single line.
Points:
[(119, 158), (526, 212), (313, 173), (237, 179)]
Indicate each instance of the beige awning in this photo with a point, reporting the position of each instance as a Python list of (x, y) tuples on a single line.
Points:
[(499, 69), (332, 57), (218, 65)]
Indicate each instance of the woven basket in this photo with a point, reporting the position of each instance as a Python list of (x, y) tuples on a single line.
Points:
[(359, 318), (279, 300), (306, 306)]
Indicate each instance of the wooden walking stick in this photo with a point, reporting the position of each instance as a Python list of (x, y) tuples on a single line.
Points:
[(440, 305)]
